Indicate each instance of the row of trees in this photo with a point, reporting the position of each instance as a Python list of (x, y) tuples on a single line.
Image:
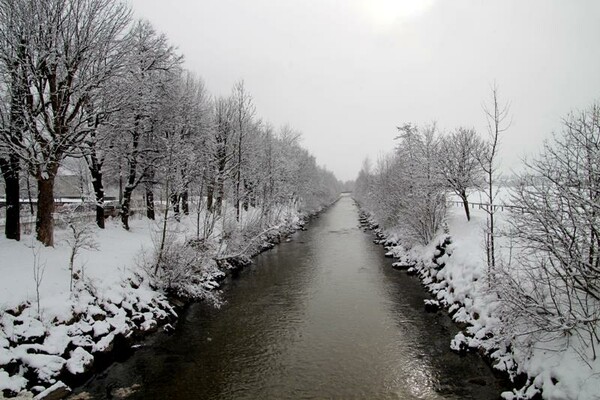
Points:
[(405, 187), (408, 188), (81, 80), (544, 263)]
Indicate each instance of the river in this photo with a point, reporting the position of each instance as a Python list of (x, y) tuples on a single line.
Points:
[(323, 316)]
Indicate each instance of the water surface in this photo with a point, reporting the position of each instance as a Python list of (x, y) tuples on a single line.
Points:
[(321, 317)]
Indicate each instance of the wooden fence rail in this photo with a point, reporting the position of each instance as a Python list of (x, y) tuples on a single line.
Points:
[(485, 206)]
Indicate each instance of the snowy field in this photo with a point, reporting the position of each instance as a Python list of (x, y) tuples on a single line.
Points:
[(114, 293), (105, 267)]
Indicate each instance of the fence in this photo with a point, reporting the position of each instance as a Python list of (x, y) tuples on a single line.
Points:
[(486, 207), (28, 220)]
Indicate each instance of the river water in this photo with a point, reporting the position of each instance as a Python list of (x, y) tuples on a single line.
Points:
[(323, 316)]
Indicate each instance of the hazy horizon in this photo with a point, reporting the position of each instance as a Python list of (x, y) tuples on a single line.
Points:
[(346, 74)]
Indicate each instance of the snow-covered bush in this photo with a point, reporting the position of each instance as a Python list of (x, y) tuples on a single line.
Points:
[(551, 290), (184, 269)]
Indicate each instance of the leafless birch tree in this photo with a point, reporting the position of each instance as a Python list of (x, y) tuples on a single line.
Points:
[(498, 121)]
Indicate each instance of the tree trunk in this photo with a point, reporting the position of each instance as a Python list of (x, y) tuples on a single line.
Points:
[(492, 211), (185, 207), (31, 210), (125, 211), (174, 199), (44, 222), (220, 194), (463, 196), (163, 238), (490, 247), (199, 209), (131, 183), (120, 187), (210, 190), (10, 166), (237, 197), (247, 194), (10, 172), (125, 206), (96, 172), (238, 177), (150, 211)]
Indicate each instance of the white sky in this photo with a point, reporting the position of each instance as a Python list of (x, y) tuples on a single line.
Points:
[(346, 73)]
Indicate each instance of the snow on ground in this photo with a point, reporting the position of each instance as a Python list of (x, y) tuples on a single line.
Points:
[(456, 277), (69, 326), (112, 297), (555, 367), (108, 266)]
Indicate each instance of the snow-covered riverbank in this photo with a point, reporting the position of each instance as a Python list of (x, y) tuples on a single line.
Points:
[(453, 268), (56, 336)]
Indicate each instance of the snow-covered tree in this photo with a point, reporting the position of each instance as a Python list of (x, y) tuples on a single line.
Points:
[(97, 147), (244, 110), (424, 200), (181, 130), (552, 288), (222, 153), (459, 163), (193, 156), (56, 54), (406, 189), (151, 65)]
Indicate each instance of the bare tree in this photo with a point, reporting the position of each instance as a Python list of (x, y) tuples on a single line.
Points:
[(39, 268), (81, 238), (497, 116), (459, 165)]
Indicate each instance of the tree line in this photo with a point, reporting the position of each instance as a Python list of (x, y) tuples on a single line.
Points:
[(82, 80), (543, 263)]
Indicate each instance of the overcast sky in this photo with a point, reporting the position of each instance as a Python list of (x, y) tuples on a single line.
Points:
[(346, 73)]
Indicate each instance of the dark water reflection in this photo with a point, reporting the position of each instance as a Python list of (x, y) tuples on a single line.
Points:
[(321, 317)]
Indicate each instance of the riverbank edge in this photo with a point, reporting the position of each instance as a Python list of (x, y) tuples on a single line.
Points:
[(415, 266), (106, 329)]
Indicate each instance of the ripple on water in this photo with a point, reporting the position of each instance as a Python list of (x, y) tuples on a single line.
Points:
[(323, 316)]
